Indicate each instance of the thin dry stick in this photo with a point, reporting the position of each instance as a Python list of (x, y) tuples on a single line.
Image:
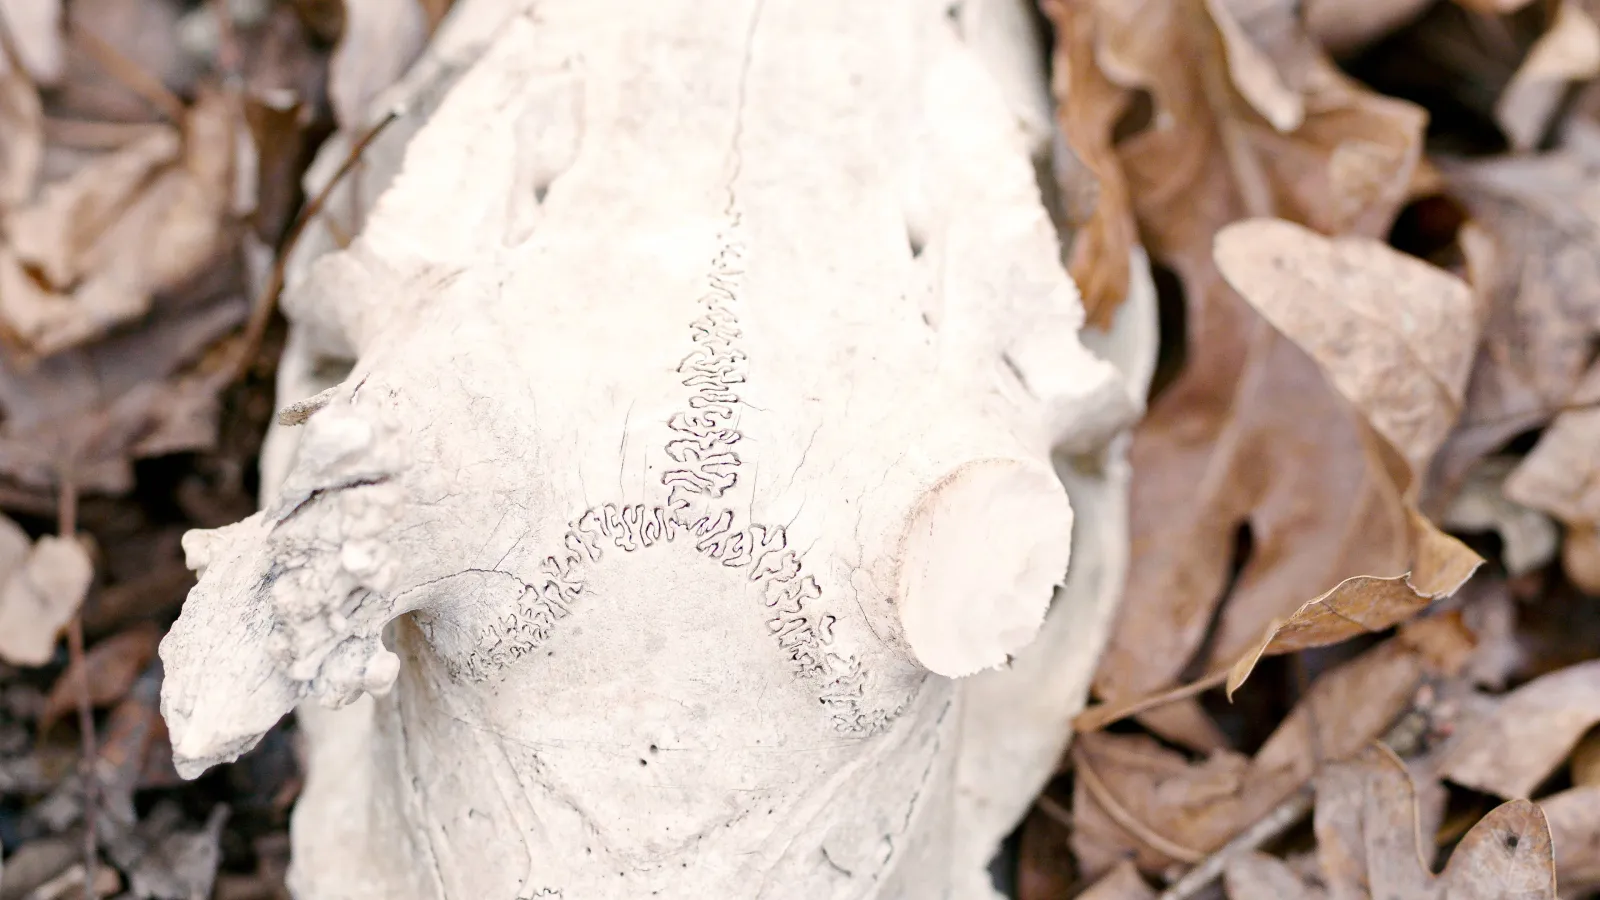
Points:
[(1099, 716), (1119, 814), (130, 75), (1402, 737), (1280, 819), (1054, 810), (67, 527), (261, 315)]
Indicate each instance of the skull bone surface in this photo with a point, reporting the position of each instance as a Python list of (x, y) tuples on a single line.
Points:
[(705, 367)]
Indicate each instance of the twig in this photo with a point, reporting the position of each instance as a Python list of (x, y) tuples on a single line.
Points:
[(131, 76), (1119, 814), (1280, 819), (1054, 810), (1403, 738), (1099, 716), (67, 527), (267, 301)]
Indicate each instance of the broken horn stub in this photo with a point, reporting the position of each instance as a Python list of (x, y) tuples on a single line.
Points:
[(983, 552)]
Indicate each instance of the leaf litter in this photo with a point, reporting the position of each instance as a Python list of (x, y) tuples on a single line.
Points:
[(1364, 503), (151, 153), (1355, 654)]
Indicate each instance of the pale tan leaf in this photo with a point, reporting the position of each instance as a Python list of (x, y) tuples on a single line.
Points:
[(1530, 733), (39, 596), (1395, 335), (1568, 52)]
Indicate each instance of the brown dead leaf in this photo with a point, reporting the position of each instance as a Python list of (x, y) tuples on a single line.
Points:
[(1249, 433), (1395, 335), (1137, 799), (96, 248), (1574, 817), (112, 666), (1562, 477), (1261, 876), (1366, 604), (1568, 52), (1530, 733), (1088, 107), (1541, 215), (41, 589), (380, 40), (1368, 841)]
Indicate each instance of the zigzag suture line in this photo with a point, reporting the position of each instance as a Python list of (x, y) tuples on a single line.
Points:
[(704, 445)]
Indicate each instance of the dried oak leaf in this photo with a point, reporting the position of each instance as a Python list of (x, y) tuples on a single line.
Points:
[(1088, 107), (95, 249), (41, 588), (1568, 52), (1541, 218), (1249, 433), (1562, 477), (111, 666), (1530, 733), (1368, 841), (1136, 799)]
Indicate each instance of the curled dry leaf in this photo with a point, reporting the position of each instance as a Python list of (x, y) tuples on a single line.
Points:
[(1135, 798), (1088, 106), (1568, 52), (1562, 477), (1511, 752), (1368, 841), (1540, 216), (380, 39), (41, 588), (95, 249), (1249, 434), (112, 667)]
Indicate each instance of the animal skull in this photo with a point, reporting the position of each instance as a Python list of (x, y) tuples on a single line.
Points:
[(686, 520)]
